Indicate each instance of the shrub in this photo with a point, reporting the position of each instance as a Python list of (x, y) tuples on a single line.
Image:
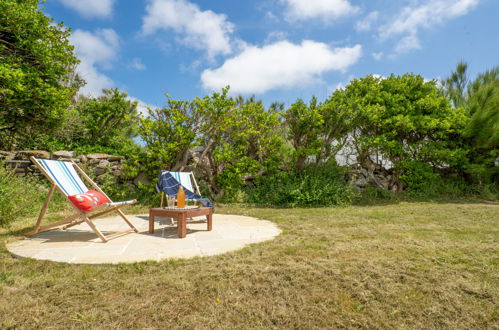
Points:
[(22, 196), (315, 185)]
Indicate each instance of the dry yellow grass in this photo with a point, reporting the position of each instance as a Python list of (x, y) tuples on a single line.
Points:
[(407, 265)]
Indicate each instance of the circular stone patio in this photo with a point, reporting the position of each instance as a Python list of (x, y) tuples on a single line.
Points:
[(81, 246)]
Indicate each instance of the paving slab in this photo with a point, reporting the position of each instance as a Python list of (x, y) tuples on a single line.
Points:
[(80, 245)]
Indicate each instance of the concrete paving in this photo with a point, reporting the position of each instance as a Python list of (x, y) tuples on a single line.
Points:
[(80, 245)]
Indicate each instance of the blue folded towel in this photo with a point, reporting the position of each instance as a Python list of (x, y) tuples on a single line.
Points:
[(169, 185)]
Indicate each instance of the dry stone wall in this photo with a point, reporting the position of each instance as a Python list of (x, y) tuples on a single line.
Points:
[(97, 165)]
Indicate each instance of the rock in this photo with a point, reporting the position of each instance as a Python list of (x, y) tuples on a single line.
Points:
[(117, 172), (141, 178), (361, 181), (97, 156), (5, 155), (115, 158), (94, 161), (99, 171), (103, 164), (83, 158), (63, 154), (26, 154)]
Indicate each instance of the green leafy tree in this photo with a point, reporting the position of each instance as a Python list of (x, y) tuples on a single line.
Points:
[(235, 139), (169, 133), (480, 98), (482, 103), (404, 119), (36, 63), (108, 120), (304, 126), (454, 87), (339, 121)]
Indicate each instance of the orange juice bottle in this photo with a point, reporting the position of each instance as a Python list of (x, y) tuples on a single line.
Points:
[(180, 198)]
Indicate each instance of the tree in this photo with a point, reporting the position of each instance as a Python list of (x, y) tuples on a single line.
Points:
[(480, 98), (454, 86), (36, 61), (405, 119), (304, 126), (169, 134), (108, 120), (236, 139)]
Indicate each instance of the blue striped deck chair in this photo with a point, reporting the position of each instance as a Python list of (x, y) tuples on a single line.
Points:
[(187, 180), (64, 177)]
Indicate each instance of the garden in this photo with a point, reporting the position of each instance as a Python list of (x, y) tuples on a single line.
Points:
[(386, 193)]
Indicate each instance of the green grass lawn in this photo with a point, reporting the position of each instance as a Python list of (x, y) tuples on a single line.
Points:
[(405, 265)]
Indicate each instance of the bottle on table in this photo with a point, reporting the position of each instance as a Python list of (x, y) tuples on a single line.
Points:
[(180, 198)]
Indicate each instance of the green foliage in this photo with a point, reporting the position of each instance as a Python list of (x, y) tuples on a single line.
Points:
[(304, 123), (318, 129), (36, 64), (237, 139), (417, 176), (483, 105), (404, 119), (168, 134), (374, 195), (103, 124), (480, 98), (454, 87), (249, 145), (22, 196), (315, 185)]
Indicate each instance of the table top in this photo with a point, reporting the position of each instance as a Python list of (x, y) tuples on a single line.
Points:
[(200, 209)]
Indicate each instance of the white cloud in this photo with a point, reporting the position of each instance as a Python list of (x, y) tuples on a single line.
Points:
[(94, 50), (378, 56), (412, 19), (279, 65), (203, 30), (136, 64), (407, 43), (366, 23), (300, 10), (275, 36), (90, 8), (95, 80)]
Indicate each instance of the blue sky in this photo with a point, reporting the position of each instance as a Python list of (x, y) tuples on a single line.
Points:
[(278, 50)]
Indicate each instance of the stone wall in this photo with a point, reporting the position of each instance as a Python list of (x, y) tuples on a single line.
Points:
[(360, 177), (96, 165)]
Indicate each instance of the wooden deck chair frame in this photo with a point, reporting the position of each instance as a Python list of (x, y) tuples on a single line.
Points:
[(80, 216), (194, 185)]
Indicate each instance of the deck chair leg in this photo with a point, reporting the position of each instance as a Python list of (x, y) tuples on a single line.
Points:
[(94, 228), (127, 221), (44, 209)]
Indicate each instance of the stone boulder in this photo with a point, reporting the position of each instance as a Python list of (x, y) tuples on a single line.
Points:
[(98, 156), (112, 158), (26, 154), (63, 154), (103, 163), (6, 155)]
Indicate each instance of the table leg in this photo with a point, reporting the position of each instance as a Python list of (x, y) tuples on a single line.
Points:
[(181, 224), (210, 220), (151, 223)]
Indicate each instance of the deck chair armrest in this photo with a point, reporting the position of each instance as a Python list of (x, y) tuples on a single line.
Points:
[(133, 201)]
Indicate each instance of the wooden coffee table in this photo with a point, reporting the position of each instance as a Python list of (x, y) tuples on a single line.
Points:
[(181, 215)]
